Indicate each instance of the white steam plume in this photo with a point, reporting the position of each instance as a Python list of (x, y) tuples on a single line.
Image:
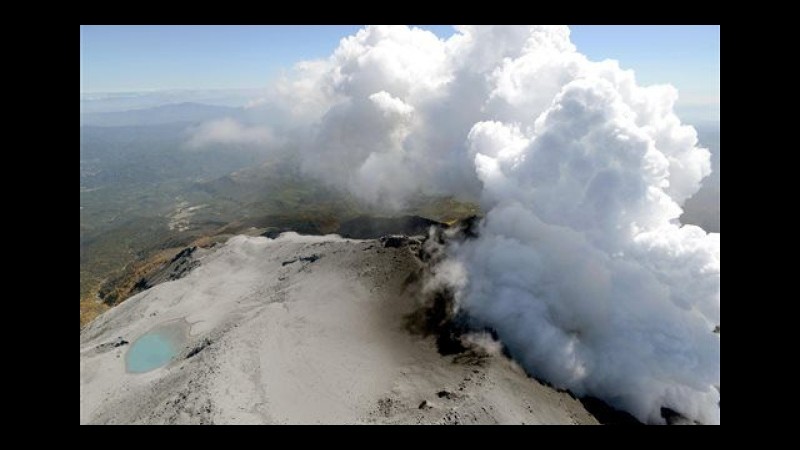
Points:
[(228, 131), (581, 265)]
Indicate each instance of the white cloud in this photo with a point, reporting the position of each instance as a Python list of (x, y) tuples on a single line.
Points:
[(228, 131), (581, 266)]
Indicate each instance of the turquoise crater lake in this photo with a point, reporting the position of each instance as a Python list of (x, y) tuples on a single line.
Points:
[(155, 348)]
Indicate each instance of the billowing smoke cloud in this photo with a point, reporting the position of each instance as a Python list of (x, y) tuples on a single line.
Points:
[(581, 265), (228, 131)]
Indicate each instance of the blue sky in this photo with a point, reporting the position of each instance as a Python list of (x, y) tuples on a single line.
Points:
[(137, 58)]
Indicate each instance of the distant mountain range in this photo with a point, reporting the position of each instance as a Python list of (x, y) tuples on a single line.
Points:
[(97, 102), (186, 112)]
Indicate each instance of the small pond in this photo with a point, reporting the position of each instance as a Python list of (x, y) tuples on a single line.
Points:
[(156, 348)]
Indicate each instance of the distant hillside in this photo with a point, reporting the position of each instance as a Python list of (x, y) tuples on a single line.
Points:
[(143, 199), (160, 115)]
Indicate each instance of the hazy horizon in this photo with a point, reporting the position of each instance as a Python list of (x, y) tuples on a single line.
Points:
[(216, 61), (548, 194)]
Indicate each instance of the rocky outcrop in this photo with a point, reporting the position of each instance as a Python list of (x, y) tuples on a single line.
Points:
[(151, 272)]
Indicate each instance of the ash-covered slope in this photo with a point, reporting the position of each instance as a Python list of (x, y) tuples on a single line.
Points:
[(299, 329)]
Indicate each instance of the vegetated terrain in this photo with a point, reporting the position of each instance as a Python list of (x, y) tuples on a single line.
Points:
[(132, 179), (145, 197)]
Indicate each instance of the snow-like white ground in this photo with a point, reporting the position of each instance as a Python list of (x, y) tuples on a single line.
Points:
[(321, 341)]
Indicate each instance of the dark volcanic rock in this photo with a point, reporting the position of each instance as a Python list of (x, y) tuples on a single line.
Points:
[(470, 226), (311, 258), (185, 253), (395, 241), (368, 227), (607, 414), (274, 232), (141, 285), (199, 348), (118, 342), (675, 418), (467, 228), (178, 267)]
